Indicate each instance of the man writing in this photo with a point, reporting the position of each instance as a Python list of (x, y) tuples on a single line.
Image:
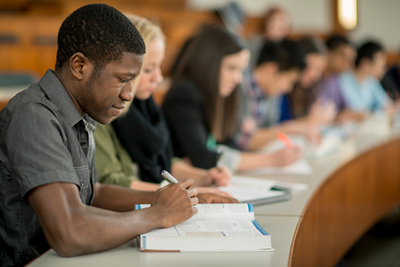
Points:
[(49, 192)]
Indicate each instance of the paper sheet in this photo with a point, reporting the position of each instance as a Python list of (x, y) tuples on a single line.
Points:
[(247, 189), (300, 167)]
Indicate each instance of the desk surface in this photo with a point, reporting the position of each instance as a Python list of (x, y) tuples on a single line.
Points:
[(289, 223), (280, 228), (322, 168)]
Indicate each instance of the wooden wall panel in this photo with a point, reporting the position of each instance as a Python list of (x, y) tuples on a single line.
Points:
[(27, 53)]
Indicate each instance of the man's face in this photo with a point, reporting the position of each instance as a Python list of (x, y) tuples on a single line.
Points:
[(342, 58), (378, 65), (285, 81), (104, 94), (276, 82)]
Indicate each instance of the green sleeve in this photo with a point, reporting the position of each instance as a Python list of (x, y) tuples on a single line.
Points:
[(113, 163)]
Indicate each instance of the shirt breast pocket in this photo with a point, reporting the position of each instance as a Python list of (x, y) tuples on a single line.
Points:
[(83, 174)]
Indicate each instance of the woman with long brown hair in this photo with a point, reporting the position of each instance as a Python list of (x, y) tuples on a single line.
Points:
[(202, 105)]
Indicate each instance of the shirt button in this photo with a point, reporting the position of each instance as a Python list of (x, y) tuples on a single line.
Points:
[(83, 143), (82, 183)]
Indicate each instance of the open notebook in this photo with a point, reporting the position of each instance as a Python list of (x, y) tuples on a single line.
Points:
[(260, 191), (216, 227)]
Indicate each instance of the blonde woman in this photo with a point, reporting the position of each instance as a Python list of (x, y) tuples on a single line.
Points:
[(140, 136)]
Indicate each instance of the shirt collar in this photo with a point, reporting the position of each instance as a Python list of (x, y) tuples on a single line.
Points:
[(57, 94), (90, 124)]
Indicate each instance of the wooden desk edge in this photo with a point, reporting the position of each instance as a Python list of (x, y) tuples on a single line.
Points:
[(324, 205)]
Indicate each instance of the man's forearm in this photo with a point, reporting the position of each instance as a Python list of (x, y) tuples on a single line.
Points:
[(117, 198), (95, 230), (73, 228)]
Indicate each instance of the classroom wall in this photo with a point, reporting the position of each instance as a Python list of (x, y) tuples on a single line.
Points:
[(379, 19), (306, 14)]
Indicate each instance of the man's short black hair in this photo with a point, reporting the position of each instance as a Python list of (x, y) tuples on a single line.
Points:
[(336, 40), (368, 50), (286, 53), (101, 33)]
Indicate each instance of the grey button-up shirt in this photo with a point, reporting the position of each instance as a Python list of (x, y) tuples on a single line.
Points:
[(43, 139)]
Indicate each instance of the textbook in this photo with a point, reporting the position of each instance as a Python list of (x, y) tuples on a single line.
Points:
[(216, 227)]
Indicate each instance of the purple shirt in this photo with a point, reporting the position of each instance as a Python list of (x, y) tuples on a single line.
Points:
[(330, 90)]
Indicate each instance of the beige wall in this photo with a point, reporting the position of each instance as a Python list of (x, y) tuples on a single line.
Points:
[(306, 14), (379, 19)]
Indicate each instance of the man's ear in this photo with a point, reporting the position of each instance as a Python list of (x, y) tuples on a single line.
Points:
[(80, 66)]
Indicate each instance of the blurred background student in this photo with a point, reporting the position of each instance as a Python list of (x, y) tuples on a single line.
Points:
[(202, 105), (278, 68), (361, 89), (140, 136), (276, 27), (341, 57), (302, 101)]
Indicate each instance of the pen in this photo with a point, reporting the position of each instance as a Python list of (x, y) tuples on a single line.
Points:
[(167, 176), (285, 140)]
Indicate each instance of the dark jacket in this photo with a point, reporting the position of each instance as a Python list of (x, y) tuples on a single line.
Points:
[(185, 111)]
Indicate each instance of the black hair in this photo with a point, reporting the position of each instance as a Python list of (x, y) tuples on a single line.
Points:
[(334, 41), (287, 54), (368, 50), (312, 45), (101, 33)]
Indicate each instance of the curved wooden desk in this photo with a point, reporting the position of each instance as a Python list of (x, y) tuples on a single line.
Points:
[(346, 205)]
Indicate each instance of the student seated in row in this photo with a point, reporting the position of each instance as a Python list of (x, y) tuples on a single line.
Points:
[(341, 56), (202, 105), (276, 27), (302, 101), (361, 88), (362, 93), (141, 137), (49, 191), (278, 68)]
